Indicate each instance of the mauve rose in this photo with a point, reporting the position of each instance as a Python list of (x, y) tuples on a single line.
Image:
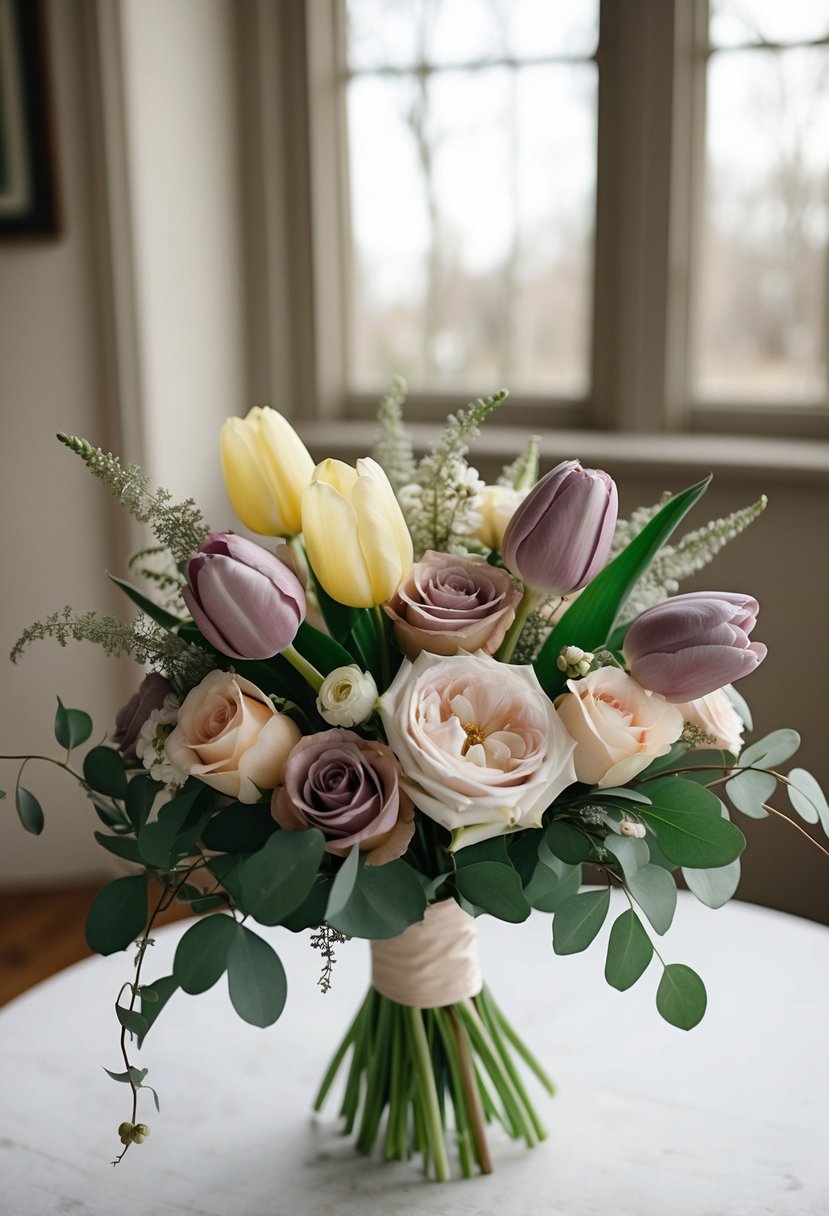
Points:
[(448, 604), (129, 720), (348, 788)]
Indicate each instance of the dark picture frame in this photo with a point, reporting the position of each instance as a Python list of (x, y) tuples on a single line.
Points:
[(28, 197)]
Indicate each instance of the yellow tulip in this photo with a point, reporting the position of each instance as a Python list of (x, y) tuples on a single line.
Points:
[(355, 535), (266, 467)]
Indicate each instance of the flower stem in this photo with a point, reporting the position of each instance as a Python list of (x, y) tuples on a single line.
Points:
[(433, 1125), (380, 628), (308, 672), (529, 602)]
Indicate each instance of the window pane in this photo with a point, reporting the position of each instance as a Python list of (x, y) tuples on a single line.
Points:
[(761, 320), (403, 33), (472, 210), (741, 22)]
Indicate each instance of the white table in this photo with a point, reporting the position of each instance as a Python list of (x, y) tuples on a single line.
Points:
[(727, 1120)]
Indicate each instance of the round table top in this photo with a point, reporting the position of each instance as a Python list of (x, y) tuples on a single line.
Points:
[(726, 1120)]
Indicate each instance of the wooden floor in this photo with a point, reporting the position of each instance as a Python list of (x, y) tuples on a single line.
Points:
[(42, 931)]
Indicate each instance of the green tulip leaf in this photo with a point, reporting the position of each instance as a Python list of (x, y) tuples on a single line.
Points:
[(149, 607), (590, 619), (578, 920), (255, 978), (629, 951), (681, 997)]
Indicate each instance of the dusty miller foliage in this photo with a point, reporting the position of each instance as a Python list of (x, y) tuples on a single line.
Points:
[(393, 446), (147, 643), (177, 526), (438, 505)]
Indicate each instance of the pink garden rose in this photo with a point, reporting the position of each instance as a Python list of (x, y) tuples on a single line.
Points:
[(231, 736), (348, 787), (715, 714), (451, 603), (619, 728), (482, 748)]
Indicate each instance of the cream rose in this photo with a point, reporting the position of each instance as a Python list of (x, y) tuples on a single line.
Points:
[(618, 726), (482, 748), (715, 714), (494, 507), (231, 737)]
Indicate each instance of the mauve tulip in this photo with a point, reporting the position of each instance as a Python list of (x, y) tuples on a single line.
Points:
[(246, 602), (693, 644), (559, 536)]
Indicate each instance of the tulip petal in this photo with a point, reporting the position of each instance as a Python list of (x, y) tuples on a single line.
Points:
[(248, 487), (329, 526)]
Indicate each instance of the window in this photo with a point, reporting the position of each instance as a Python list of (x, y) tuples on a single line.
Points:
[(619, 211)]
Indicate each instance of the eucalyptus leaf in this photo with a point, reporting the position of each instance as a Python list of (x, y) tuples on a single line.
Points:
[(104, 772), (739, 705), (121, 846), (681, 996), (201, 955), (631, 853), (311, 912), (141, 794), (494, 888), (383, 902), (157, 837), (569, 843), (807, 798), (72, 726), (772, 750), (239, 828), (714, 887), (29, 810), (627, 793), (255, 978), (163, 987), (654, 890), (687, 821), (578, 920), (118, 914), (344, 882), (547, 890), (131, 1021), (277, 879), (749, 790), (629, 951)]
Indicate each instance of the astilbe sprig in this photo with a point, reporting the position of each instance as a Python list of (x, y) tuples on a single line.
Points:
[(522, 473), (156, 566), (438, 505), (393, 447), (178, 526)]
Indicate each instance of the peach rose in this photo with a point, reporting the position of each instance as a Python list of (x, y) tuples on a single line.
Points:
[(231, 736), (715, 714), (618, 726)]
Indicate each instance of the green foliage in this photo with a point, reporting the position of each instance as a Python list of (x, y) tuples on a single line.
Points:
[(29, 810), (118, 914), (131, 1021), (578, 919), (239, 828), (654, 890), (807, 798), (714, 887), (681, 997), (589, 621), (552, 881), (163, 988), (141, 794), (72, 726), (382, 902), (255, 978), (494, 888), (629, 951), (277, 879), (122, 846), (104, 772), (687, 821), (149, 607), (570, 843), (201, 955)]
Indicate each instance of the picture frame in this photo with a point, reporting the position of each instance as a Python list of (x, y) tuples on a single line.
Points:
[(28, 196)]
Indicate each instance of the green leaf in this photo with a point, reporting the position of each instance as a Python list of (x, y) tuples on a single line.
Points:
[(132, 1021), (384, 901), (715, 887), (630, 852), (72, 726), (255, 978), (687, 821), (156, 839), (121, 846), (590, 619), (739, 705), (239, 828), (578, 920), (149, 607), (807, 798), (118, 914), (681, 997), (344, 882), (201, 955), (749, 790), (277, 879), (548, 888), (772, 750), (629, 951), (141, 794), (104, 772), (654, 890), (125, 1077), (495, 888), (29, 810), (311, 912), (322, 651), (163, 987), (569, 843), (227, 868), (495, 850)]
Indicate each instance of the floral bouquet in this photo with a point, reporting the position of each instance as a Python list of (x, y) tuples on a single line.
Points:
[(431, 700)]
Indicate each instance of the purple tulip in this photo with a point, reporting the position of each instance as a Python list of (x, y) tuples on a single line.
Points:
[(559, 536), (246, 602), (693, 644), (129, 720)]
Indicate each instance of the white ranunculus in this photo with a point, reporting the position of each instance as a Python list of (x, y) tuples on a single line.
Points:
[(482, 748), (618, 726), (347, 696), (715, 714)]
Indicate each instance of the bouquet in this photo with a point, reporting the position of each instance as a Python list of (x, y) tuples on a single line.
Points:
[(424, 699)]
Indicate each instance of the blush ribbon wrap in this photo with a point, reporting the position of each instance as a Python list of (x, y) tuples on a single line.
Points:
[(433, 963)]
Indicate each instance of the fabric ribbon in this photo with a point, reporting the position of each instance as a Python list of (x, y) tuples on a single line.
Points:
[(431, 964)]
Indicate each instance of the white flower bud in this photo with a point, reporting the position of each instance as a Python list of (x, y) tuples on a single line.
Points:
[(629, 827), (347, 696)]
